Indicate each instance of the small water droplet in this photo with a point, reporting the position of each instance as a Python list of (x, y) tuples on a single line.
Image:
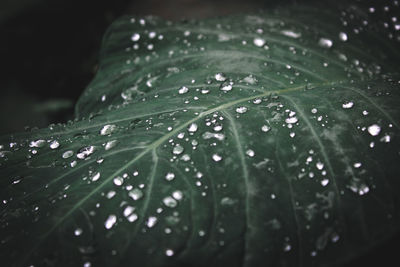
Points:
[(183, 90), (374, 129), (226, 87), (324, 182), (37, 143), (108, 129), (265, 128), (169, 252), (221, 77), (128, 211), (241, 109), (110, 144), (111, 220), (178, 149), (348, 105), (178, 195), (151, 221), (135, 37), (136, 194), (85, 152), (250, 153), (291, 120), (319, 165), (78, 231), (343, 36), (259, 42), (67, 154), (216, 157), (314, 110), (170, 202), (291, 34), (95, 177), (192, 128), (385, 139), (170, 176), (118, 181), (325, 43), (54, 144)]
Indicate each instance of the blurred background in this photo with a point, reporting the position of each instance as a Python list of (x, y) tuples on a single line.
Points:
[(49, 53)]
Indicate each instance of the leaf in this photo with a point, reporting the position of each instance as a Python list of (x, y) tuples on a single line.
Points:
[(239, 141)]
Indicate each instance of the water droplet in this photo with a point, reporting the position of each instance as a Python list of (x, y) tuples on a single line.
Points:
[(319, 165), (374, 129), (108, 129), (170, 176), (37, 143), (118, 181), (221, 77), (128, 211), (250, 153), (78, 232), (314, 110), (135, 37), (325, 43), (170, 202), (292, 134), (348, 105), (133, 217), (216, 157), (193, 128), (291, 120), (111, 220), (169, 252), (183, 90), (265, 128), (85, 152), (136, 194), (110, 144), (324, 182), (259, 42), (226, 87), (343, 36), (217, 128), (385, 139), (241, 109), (178, 195), (54, 144), (291, 34), (67, 154), (151, 221), (95, 177), (257, 101), (178, 149)]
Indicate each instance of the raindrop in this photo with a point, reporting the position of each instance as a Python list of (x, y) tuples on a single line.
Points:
[(170, 176), (37, 143), (118, 181), (265, 128), (348, 105), (111, 220), (96, 177), (55, 144), (169, 252), (183, 90), (357, 165), (319, 165), (110, 144), (291, 120), (67, 154), (257, 101), (221, 77), (135, 37), (151, 221), (314, 110), (216, 157), (241, 109), (291, 34), (226, 87), (85, 152), (324, 182), (133, 217), (178, 149), (170, 202), (374, 129), (136, 194), (250, 153), (128, 211), (259, 42), (178, 195), (192, 128), (78, 232), (325, 43), (217, 128), (385, 139), (343, 36), (108, 129)]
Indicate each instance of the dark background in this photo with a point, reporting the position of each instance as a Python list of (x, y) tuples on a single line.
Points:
[(49, 52)]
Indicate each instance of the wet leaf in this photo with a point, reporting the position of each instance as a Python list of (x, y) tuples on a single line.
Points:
[(270, 138)]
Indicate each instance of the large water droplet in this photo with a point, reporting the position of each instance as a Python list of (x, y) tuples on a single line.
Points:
[(343, 36), (67, 154), (324, 42), (192, 128), (170, 202)]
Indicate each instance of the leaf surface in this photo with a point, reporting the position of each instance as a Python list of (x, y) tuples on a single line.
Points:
[(270, 138)]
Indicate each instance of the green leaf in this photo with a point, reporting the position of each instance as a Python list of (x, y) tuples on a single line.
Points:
[(242, 141)]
